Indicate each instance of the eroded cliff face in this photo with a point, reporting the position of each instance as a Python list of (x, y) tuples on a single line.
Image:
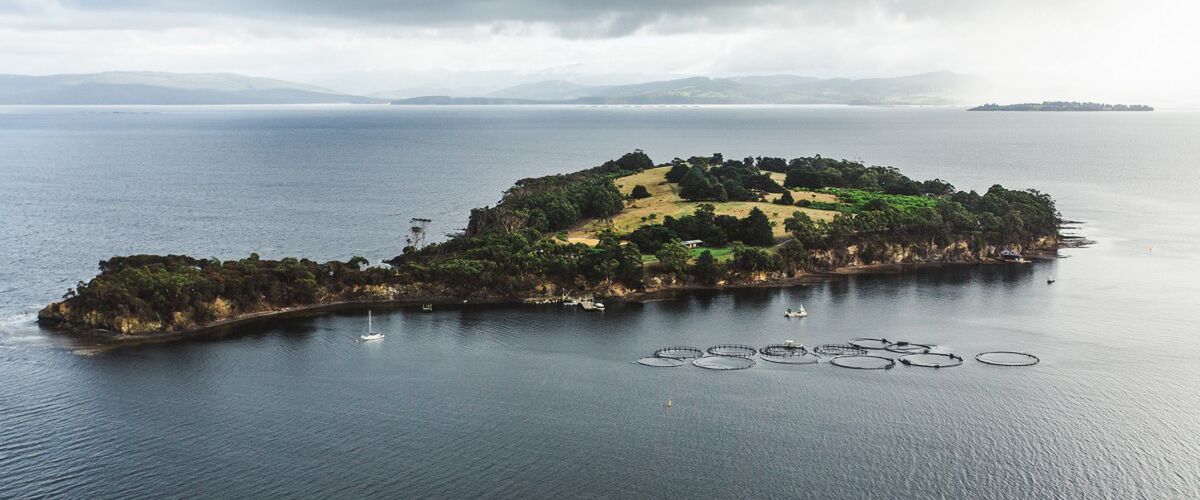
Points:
[(882, 253)]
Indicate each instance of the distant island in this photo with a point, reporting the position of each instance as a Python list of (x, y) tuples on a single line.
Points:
[(625, 229), (1062, 106)]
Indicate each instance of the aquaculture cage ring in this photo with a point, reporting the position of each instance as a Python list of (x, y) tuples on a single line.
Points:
[(660, 362), (681, 352), (931, 360), (871, 344), (734, 350), (905, 347), (783, 350), (838, 350), (788, 354), (807, 358), (863, 362), (724, 362), (1007, 358)]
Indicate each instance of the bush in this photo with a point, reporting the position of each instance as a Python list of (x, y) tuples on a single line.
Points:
[(639, 192)]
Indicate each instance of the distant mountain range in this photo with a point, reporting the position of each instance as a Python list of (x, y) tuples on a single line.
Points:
[(128, 87), (928, 88)]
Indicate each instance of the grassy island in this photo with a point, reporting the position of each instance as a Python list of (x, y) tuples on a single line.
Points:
[(621, 229)]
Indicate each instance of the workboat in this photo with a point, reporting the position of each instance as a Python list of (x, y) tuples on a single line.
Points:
[(1050, 280), (427, 308), (798, 313), (591, 305), (371, 333)]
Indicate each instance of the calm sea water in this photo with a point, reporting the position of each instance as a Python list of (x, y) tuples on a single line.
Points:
[(543, 401)]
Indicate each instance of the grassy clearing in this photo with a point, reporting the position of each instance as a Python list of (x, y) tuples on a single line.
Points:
[(853, 200), (664, 200), (721, 254)]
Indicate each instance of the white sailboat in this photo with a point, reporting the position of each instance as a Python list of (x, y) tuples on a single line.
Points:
[(371, 333)]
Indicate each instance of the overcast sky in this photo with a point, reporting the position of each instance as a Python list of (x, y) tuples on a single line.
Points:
[(1146, 50)]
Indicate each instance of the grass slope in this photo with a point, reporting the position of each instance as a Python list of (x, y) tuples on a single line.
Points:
[(664, 200)]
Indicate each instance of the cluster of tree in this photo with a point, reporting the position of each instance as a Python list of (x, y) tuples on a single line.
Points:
[(166, 289), (817, 172), (704, 224), (519, 261), (724, 180), (998, 217), (557, 202)]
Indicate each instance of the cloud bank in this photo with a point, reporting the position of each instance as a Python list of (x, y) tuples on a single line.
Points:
[(1109, 50)]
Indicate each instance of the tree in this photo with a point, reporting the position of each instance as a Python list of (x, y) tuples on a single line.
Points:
[(756, 229), (785, 199), (794, 255), (678, 169), (804, 229), (639, 192), (706, 270), (673, 256)]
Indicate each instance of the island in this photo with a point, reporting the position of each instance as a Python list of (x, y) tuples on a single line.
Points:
[(626, 229), (1062, 106)]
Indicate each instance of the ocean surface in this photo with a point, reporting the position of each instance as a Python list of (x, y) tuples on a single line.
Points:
[(545, 401)]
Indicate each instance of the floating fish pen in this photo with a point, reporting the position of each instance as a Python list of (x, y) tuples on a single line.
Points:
[(733, 350), (679, 352), (838, 350), (871, 343), (863, 362), (1007, 358), (903, 347), (931, 360), (659, 362), (724, 362)]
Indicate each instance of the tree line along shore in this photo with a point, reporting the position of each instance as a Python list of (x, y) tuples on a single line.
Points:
[(622, 229)]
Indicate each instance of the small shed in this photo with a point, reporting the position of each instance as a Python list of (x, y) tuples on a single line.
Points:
[(693, 243)]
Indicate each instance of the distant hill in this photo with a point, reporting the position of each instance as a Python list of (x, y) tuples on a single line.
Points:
[(928, 89), (1062, 106), (122, 87)]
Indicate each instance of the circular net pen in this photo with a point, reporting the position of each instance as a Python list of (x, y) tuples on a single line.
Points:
[(904, 347), (1007, 358), (724, 362), (679, 352), (838, 350), (734, 350), (788, 354), (931, 360), (863, 362), (783, 350), (658, 362), (871, 344)]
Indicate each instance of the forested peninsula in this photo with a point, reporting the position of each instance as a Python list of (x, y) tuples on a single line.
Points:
[(624, 229)]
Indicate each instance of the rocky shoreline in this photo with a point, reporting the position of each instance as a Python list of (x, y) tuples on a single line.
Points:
[(657, 290)]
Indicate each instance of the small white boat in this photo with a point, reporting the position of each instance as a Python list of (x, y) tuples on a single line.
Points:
[(591, 305), (427, 308), (570, 302), (371, 333), (799, 313), (599, 306)]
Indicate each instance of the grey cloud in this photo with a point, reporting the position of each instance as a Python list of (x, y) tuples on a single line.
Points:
[(572, 18)]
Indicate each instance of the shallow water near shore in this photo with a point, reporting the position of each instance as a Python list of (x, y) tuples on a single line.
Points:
[(546, 400)]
